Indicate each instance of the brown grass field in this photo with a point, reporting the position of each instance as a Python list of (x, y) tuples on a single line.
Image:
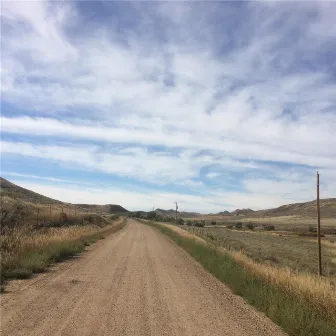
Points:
[(34, 235), (298, 253), (313, 297)]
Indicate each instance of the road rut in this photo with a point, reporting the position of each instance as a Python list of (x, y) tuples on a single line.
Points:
[(135, 282)]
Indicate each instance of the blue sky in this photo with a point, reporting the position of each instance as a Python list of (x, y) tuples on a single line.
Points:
[(216, 105)]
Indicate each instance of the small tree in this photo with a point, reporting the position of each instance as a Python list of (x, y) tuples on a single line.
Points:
[(250, 225), (238, 225), (180, 221), (151, 215)]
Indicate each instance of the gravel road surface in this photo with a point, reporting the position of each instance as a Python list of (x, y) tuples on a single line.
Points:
[(134, 282)]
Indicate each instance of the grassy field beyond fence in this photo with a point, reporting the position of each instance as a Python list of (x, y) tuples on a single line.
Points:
[(302, 304)]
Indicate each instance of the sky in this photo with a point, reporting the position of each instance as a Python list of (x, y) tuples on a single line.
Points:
[(215, 105)]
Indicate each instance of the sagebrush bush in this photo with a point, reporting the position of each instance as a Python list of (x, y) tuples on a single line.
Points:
[(180, 221), (250, 226), (269, 227), (238, 225)]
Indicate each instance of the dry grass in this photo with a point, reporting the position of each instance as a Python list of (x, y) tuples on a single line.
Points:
[(278, 249), (25, 251), (287, 223), (18, 241), (31, 214), (303, 304), (182, 232), (318, 291)]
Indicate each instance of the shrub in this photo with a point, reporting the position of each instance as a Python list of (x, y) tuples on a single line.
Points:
[(151, 215), (269, 227), (180, 221), (13, 215), (250, 226), (63, 217), (213, 222), (229, 226), (238, 225), (189, 223), (199, 224)]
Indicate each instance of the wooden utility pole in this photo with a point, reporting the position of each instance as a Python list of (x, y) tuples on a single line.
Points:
[(176, 212), (318, 223)]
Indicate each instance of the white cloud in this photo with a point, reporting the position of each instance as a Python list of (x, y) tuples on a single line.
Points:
[(180, 167), (38, 177), (183, 77), (212, 175), (129, 199)]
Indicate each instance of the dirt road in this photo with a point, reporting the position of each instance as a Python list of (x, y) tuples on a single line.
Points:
[(135, 282)]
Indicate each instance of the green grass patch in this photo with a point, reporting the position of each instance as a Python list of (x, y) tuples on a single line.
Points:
[(295, 315)]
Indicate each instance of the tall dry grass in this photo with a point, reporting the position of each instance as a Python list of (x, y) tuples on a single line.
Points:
[(318, 291), (301, 304), (18, 241), (16, 213), (28, 244)]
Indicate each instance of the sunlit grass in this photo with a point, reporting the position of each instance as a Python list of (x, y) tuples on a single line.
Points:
[(24, 252), (301, 303)]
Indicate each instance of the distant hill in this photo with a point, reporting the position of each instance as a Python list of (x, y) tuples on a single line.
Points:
[(171, 212), (306, 209), (18, 193), (25, 195), (109, 208), (242, 212), (224, 213)]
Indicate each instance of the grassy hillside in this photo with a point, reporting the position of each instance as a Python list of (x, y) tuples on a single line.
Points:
[(306, 209), (171, 212), (109, 208), (21, 194), (328, 209), (18, 193), (36, 231)]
